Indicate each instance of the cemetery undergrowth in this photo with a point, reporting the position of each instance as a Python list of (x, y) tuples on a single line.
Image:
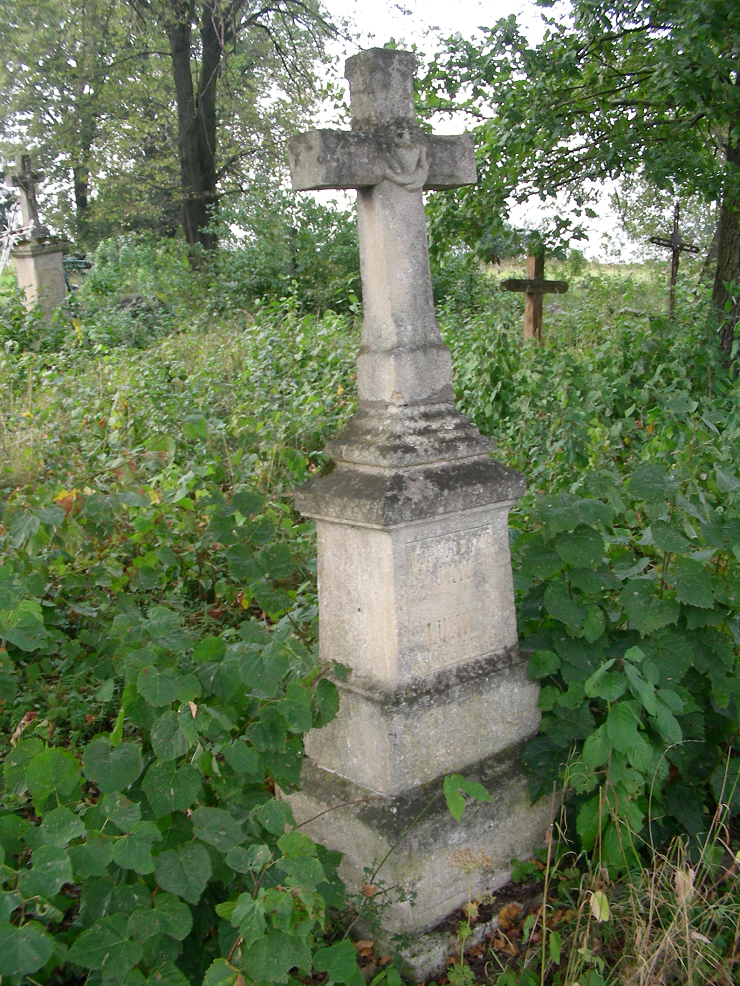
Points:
[(160, 661)]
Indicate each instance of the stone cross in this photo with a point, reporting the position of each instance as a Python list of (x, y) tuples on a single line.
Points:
[(414, 572), (677, 246), (25, 180), (534, 287), (388, 159)]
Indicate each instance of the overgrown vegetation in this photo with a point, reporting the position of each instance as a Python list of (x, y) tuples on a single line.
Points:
[(159, 618)]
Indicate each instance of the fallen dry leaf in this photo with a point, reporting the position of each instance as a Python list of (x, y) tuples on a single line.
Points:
[(27, 718), (369, 889), (365, 948), (507, 916)]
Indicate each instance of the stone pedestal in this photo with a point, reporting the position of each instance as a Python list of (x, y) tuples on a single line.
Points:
[(40, 274)]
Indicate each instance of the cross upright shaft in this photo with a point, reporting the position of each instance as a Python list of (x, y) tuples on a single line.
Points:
[(403, 361), (24, 180)]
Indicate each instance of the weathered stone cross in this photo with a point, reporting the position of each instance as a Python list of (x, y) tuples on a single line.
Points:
[(534, 287), (414, 572), (25, 180), (677, 246), (390, 161)]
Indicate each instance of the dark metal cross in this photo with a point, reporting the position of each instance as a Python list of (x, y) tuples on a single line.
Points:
[(677, 246), (534, 287)]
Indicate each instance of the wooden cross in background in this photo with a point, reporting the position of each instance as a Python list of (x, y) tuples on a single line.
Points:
[(534, 287), (677, 246)]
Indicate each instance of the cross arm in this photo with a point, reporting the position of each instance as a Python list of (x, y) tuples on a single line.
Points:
[(669, 244), (534, 286), (347, 159)]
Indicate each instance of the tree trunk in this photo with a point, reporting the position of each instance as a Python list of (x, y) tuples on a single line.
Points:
[(196, 117), (728, 253)]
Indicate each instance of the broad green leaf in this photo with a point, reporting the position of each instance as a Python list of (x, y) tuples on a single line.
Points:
[(52, 774), (597, 748), (221, 973), (108, 947), (184, 872), (112, 768), (263, 671), (271, 959), (296, 707), (646, 611), (123, 813), (217, 828), (325, 703), (339, 962), (599, 906), (668, 726), (158, 686), (17, 760), (541, 664), (606, 685), (641, 689), (134, 850), (51, 868), (166, 974), (249, 917), (590, 821), (168, 916), (692, 583), (242, 758), (541, 562), (168, 740), (60, 827), (247, 502), (621, 727), (171, 788), (582, 547), (24, 950), (93, 856), (667, 538), (210, 649), (595, 623), (648, 482), (274, 815), (559, 604), (455, 786)]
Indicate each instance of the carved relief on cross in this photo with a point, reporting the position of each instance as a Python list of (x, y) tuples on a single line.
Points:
[(390, 161), (534, 287), (25, 180)]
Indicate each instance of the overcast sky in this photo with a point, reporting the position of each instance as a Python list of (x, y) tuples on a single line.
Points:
[(421, 22)]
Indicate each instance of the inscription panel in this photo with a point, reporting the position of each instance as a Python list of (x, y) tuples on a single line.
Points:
[(459, 598)]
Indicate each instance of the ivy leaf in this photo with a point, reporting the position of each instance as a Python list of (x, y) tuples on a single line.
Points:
[(134, 851), (158, 686), (339, 962), (582, 547), (112, 768), (693, 585), (249, 917), (24, 950), (51, 869), (108, 947), (217, 828), (171, 788), (184, 872)]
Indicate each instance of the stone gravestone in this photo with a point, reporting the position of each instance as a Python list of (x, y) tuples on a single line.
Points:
[(38, 259), (534, 287), (415, 582)]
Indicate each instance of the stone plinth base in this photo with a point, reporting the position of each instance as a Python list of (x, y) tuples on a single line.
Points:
[(40, 273), (505, 827)]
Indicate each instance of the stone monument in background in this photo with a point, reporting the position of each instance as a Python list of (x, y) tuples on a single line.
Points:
[(38, 258), (415, 581)]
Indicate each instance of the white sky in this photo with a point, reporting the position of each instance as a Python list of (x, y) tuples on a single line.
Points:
[(422, 22)]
